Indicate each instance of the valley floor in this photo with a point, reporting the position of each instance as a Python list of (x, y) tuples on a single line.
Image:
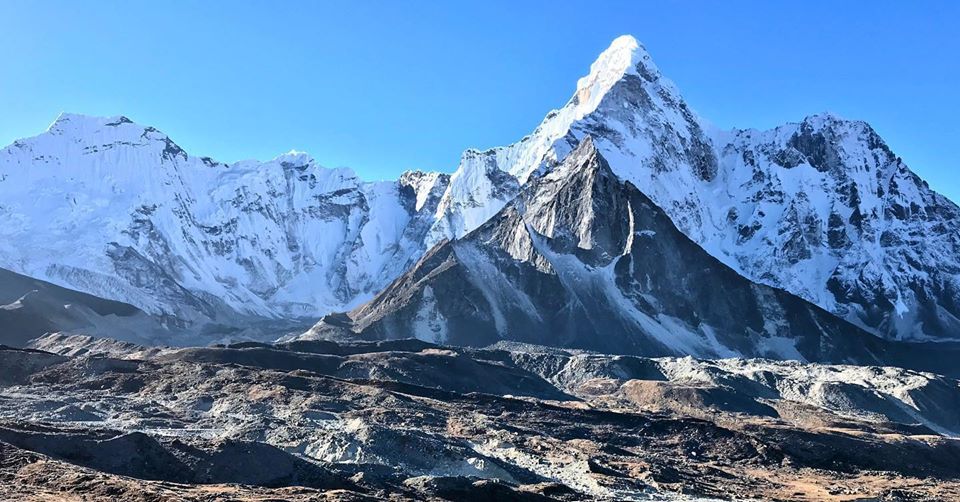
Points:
[(407, 420)]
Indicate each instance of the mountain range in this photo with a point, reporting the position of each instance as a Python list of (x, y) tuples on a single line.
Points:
[(821, 209)]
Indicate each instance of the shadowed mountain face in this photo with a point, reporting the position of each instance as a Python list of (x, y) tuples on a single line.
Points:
[(30, 308), (580, 259)]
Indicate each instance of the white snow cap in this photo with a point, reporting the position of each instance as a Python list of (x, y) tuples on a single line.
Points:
[(79, 122), (295, 157), (623, 57)]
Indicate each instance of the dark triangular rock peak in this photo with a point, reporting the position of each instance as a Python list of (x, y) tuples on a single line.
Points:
[(580, 206)]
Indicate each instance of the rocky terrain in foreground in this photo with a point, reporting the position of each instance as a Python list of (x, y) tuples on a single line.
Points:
[(85, 418)]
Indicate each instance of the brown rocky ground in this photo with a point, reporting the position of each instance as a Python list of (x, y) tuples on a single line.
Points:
[(409, 421)]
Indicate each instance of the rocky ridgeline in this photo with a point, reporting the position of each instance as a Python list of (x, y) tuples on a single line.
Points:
[(822, 209)]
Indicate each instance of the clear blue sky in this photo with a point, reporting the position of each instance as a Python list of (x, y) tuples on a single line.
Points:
[(387, 86)]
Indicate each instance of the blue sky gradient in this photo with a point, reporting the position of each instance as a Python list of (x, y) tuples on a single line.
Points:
[(388, 86)]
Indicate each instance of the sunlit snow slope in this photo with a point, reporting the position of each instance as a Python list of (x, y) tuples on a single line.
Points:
[(112, 208)]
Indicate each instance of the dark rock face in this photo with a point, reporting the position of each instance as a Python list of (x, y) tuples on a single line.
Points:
[(30, 308), (580, 259), (819, 148)]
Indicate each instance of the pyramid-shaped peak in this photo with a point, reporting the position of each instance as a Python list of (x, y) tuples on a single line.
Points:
[(584, 160), (580, 206), (625, 56), (585, 154)]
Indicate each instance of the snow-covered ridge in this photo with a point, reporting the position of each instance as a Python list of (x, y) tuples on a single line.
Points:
[(469, 202), (116, 209), (825, 209), (822, 208), (585, 261)]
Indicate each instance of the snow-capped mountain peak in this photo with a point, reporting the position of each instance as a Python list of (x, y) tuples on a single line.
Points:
[(67, 121), (90, 129), (822, 208), (624, 56), (74, 135), (623, 97), (295, 157)]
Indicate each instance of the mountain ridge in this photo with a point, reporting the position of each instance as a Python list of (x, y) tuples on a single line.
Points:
[(175, 234), (583, 260), (821, 208)]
